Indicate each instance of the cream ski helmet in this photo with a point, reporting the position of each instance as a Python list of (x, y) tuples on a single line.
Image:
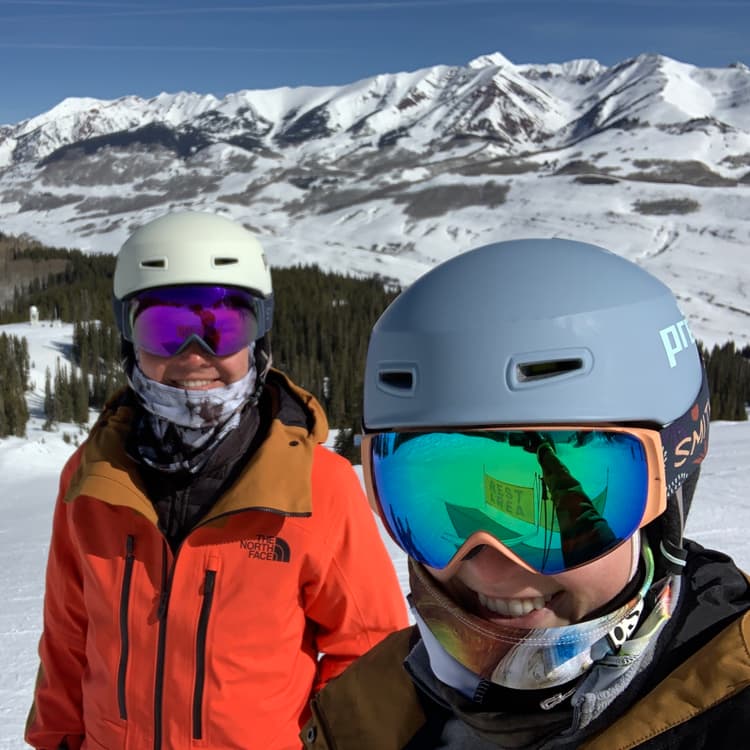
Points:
[(186, 248)]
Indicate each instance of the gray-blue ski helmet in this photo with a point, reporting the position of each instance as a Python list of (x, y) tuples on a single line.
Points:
[(538, 331)]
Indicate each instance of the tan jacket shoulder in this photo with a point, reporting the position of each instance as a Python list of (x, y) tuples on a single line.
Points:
[(374, 704), (371, 706), (717, 672)]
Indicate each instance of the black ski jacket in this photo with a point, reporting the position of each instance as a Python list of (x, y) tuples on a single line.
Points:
[(693, 694)]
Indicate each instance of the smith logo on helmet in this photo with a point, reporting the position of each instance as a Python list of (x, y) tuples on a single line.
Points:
[(686, 440), (692, 446), (676, 338)]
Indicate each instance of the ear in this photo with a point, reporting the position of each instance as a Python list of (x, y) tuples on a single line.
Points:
[(128, 356)]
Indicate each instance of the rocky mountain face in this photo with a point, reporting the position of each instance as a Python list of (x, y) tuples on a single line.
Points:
[(389, 175)]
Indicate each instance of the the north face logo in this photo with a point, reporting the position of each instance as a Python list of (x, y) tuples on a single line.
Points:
[(263, 547)]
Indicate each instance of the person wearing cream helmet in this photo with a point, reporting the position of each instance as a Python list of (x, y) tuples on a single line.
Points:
[(535, 417), (193, 255), (211, 563)]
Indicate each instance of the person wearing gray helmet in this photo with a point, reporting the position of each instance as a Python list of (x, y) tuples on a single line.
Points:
[(211, 564), (535, 416)]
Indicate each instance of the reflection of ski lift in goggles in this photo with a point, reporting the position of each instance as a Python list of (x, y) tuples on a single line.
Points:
[(222, 319), (443, 493)]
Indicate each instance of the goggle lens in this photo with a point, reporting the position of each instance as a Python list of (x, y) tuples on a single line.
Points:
[(164, 321), (435, 490)]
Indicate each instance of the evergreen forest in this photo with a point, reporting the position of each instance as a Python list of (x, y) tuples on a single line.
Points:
[(321, 328)]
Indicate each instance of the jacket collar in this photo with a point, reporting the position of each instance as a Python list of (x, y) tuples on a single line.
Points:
[(277, 476), (711, 675)]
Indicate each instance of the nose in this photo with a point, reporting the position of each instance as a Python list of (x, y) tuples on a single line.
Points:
[(194, 352), (486, 562), (494, 562), (484, 554)]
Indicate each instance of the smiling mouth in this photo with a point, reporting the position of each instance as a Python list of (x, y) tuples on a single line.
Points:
[(193, 384), (514, 607)]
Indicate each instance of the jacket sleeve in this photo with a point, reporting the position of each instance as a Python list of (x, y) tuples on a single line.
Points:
[(355, 599), (55, 720)]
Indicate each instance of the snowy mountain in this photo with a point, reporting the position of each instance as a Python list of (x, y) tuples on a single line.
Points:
[(391, 174)]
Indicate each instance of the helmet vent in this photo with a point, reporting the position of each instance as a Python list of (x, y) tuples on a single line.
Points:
[(219, 262), (528, 371), (154, 263), (552, 366), (397, 382)]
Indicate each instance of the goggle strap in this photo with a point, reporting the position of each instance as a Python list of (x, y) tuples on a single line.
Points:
[(675, 557), (122, 317), (624, 629), (265, 318), (680, 511)]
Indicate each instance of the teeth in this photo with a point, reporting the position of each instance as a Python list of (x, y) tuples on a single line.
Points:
[(513, 607), (193, 383)]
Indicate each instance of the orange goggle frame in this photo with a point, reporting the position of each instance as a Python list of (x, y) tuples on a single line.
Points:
[(549, 497)]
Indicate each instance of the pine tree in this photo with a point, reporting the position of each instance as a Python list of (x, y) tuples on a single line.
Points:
[(4, 431), (49, 401), (14, 368), (63, 395), (728, 373)]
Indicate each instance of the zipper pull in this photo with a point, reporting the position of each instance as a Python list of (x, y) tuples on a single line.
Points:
[(162, 610), (165, 583), (556, 700)]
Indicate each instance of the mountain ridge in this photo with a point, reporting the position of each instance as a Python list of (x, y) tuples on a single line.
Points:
[(391, 174)]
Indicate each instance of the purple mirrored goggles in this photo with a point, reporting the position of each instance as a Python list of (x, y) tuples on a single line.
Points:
[(222, 319)]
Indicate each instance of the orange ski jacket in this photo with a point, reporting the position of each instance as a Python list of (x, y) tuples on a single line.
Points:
[(220, 645)]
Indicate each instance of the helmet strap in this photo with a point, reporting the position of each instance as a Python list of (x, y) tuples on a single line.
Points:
[(671, 527)]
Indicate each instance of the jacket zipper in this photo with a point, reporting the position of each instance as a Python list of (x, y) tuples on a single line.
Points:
[(124, 634), (200, 653), (160, 650)]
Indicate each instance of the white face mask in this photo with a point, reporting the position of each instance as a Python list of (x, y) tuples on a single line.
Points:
[(520, 658), (192, 409), (194, 419)]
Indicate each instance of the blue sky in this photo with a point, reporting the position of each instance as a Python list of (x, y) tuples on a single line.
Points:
[(52, 49)]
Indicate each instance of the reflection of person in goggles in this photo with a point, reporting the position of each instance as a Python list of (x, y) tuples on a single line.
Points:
[(584, 531), (440, 493), (535, 417), (221, 319), (589, 489)]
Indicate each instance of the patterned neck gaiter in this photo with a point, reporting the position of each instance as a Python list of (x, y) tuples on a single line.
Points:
[(186, 424), (522, 658)]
